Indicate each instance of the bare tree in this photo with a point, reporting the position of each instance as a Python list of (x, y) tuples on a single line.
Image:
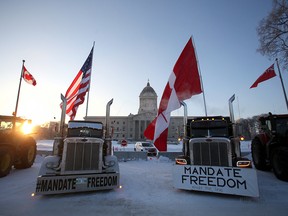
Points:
[(248, 127), (273, 33)]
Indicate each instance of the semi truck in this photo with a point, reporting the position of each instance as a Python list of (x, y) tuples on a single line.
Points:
[(212, 160), (82, 160), (17, 148), (270, 146)]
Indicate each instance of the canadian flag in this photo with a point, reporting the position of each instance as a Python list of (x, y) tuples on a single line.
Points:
[(28, 77), (268, 74), (183, 83)]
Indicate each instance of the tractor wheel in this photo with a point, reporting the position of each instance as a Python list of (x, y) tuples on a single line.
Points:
[(27, 155), (279, 161), (6, 161), (258, 155)]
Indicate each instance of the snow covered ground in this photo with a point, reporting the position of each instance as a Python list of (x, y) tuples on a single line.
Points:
[(146, 190)]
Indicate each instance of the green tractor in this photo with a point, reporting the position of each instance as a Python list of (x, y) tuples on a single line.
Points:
[(16, 147)]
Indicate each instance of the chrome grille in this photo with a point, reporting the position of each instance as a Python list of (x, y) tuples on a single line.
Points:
[(210, 152), (82, 156)]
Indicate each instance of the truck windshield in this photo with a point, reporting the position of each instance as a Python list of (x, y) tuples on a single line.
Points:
[(208, 128), (85, 129), (281, 126), (8, 125), (144, 144)]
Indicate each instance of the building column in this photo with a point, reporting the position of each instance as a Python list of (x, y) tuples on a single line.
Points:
[(133, 130), (139, 130)]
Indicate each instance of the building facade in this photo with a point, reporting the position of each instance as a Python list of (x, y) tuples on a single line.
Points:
[(132, 127)]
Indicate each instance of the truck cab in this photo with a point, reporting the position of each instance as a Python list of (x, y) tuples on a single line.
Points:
[(210, 141), (211, 160), (81, 160)]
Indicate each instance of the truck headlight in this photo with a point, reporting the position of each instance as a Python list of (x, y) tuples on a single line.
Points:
[(244, 164), (109, 163), (181, 161)]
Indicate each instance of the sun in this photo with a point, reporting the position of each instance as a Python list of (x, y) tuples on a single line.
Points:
[(27, 127)]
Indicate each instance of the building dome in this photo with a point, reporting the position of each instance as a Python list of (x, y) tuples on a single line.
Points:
[(148, 91), (148, 101)]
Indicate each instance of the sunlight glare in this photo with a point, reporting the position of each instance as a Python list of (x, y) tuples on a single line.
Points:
[(27, 127)]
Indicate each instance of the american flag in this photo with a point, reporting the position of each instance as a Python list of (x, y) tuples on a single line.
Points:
[(75, 94)]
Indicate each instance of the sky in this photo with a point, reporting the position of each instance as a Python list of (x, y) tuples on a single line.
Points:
[(135, 41)]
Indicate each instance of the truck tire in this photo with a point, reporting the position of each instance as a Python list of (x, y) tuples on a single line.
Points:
[(259, 155), (279, 162), (27, 155), (6, 161)]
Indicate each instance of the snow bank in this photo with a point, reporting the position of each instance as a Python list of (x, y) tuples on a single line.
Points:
[(48, 145)]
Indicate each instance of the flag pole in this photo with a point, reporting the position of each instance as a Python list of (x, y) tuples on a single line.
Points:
[(18, 94), (205, 107), (89, 84), (203, 93), (282, 83), (16, 108)]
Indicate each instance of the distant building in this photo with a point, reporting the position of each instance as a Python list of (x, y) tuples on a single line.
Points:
[(132, 127)]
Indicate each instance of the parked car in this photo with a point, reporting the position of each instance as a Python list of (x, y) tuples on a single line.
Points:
[(146, 146)]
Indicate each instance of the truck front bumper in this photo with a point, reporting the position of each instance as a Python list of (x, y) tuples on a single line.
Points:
[(76, 183)]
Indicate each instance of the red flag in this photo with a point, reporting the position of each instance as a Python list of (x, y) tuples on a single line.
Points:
[(268, 74), (28, 77), (76, 92), (183, 83)]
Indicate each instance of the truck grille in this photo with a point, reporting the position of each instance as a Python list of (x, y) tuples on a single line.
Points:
[(210, 152), (82, 156)]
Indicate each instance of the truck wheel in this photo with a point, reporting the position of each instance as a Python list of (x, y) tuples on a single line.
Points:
[(279, 161), (6, 161), (258, 155), (27, 155)]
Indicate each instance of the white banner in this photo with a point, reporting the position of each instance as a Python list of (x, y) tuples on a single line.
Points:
[(227, 180)]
